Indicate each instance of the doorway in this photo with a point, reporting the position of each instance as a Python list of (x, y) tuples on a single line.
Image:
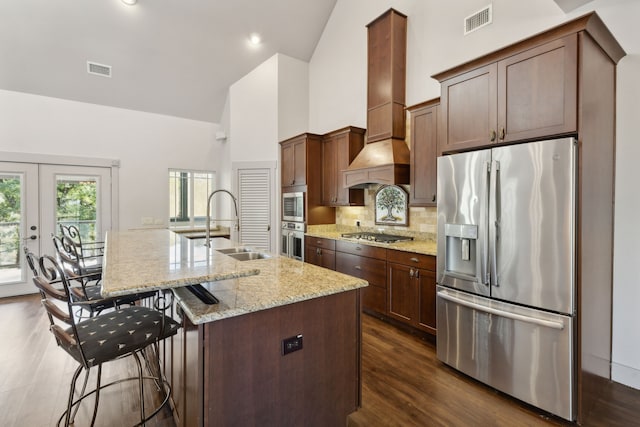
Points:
[(35, 199)]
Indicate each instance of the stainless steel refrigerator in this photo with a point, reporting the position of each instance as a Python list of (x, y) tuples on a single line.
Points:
[(506, 297)]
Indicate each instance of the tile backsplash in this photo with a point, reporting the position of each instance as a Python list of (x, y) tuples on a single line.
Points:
[(421, 219)]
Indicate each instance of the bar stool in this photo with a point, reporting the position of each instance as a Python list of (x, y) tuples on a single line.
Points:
[(110, 336)]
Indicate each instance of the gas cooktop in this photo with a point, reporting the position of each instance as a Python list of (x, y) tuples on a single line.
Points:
[(376, 237)]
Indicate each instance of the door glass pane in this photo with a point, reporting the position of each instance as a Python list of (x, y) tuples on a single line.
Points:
[(11, 217), (77, 204)]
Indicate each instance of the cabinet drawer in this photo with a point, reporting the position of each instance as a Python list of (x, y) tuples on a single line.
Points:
[(369, 269), (411, 259), (363, 250), (320, 242)]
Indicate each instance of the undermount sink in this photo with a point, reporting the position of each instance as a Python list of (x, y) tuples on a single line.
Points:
[(243, 253), (237, 250), (248, 256)]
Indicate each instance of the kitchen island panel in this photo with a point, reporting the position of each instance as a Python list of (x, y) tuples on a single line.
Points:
[(248, 380)]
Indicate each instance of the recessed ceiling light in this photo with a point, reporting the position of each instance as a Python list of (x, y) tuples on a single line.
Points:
[(130, 2), (255, 39)]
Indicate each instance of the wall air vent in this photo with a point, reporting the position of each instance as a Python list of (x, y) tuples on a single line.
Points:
[(478, 20), (98, 69)]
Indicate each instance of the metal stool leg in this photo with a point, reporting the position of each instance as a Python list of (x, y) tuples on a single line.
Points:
[(72, 389), (95, 405)]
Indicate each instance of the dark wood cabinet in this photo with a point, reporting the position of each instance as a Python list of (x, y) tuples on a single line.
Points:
[(320, 252), (339, 148), (294, 161), (368, 263), (527, 95), (424, 150), (300, 171), (411, 285)]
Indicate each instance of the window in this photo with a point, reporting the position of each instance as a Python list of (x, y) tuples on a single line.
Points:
[(188, 193)]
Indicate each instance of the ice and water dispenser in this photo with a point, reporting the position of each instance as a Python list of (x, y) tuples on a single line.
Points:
[(461, 250)]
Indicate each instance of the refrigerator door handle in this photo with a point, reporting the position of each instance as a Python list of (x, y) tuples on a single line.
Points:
[(484, 273), (494, 221), (502, 313)]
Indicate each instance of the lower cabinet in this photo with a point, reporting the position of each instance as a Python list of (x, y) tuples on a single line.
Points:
[(368, 263), (412, 289), (402, 285), (320, 252)]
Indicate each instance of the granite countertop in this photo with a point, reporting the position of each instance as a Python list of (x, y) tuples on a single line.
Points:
[(281, 281), (137, 261), (144, 260), (425, 247)]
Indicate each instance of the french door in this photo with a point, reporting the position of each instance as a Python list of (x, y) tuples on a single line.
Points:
[(34, 200)]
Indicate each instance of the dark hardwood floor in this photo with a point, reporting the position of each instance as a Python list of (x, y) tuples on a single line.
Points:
[(403, 383)]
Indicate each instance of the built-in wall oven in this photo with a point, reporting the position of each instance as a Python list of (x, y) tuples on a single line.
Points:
[(292, 244), (293, 207)]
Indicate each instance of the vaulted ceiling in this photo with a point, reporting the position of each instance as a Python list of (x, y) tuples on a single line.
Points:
[(174, 57)]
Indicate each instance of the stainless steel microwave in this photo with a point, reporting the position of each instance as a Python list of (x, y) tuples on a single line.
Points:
[(293, 207)]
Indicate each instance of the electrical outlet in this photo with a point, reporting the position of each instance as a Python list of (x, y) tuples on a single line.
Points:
[(291, 344), (158, 221), (147, 220)]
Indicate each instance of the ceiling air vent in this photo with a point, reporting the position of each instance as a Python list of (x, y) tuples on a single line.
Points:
[(98, 69), (477, 20)]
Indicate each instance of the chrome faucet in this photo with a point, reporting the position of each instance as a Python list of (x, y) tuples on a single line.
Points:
[(207, 242)]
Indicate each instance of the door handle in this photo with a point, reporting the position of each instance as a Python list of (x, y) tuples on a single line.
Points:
[(268, 228), (509, 315), (32, 237)]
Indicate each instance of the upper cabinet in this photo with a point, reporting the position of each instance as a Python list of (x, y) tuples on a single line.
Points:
[(423, 119), (528, 94), (339, 148), (300, 172), (294, 160)]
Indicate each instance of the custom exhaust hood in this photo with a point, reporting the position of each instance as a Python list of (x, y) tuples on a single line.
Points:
[(385, 157)]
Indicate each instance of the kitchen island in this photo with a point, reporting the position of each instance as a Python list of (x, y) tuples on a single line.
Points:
[(281, 348)]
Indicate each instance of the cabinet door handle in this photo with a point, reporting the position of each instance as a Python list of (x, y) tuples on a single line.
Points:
[(417, 275), (358, 248), (492, 135), (433, 199), (502, 132), (411, 272), (414, 259), (357, 267)]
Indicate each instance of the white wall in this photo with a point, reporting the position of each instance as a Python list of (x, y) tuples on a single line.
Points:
[(293, 97), (146, 144), (254, 114), (626, 296), (337, 92)]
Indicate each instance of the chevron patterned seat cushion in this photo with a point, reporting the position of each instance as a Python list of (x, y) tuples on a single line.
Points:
[(111, 335)]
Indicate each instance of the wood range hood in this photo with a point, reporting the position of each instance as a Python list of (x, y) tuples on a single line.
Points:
[(385, 157)]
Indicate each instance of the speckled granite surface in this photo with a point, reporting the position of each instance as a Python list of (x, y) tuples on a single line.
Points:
[(281, 281), (143, 260), (423, 243)]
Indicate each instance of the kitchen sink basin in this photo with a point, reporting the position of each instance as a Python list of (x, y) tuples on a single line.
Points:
[(238, 250), (248, 256)]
